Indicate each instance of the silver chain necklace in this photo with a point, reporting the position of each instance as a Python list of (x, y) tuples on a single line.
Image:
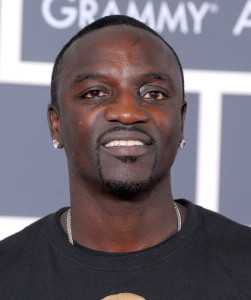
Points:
[(68, 226), (178, 215), (68, 222)]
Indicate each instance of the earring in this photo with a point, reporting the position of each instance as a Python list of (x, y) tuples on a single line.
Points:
[(55, 144), (182, 144)]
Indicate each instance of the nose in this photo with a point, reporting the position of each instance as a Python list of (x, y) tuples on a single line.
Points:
[(126, 109)]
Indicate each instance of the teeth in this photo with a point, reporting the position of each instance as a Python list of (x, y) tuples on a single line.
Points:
[(124, 143)]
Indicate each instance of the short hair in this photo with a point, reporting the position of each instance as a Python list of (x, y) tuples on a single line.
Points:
[(101, 23)]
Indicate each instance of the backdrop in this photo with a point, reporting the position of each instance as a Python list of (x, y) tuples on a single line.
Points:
[(213, 41)]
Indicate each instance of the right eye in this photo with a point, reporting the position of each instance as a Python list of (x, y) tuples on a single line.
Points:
[(94, 94)]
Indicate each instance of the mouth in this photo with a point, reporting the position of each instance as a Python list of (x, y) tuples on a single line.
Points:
[(128, 148), (127, 143), (123, 143)]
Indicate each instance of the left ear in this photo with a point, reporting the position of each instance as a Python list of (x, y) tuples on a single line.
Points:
[(183, 116)]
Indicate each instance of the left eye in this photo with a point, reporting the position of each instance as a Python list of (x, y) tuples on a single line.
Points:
[(155, 95), (94, 93)]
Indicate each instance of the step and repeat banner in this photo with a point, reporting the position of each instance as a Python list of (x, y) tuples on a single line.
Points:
[(213, 41)]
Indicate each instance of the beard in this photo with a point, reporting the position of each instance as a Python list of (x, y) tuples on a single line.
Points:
[(124, 188)]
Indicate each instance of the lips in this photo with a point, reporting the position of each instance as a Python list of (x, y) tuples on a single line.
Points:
[(129, 143), (126, 143)]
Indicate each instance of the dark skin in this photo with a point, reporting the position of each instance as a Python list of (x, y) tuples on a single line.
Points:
[(125, 77)]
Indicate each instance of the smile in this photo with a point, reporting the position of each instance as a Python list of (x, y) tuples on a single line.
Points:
[(127, 143)]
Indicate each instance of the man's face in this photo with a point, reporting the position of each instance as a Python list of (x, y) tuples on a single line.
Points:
[(120, 103)]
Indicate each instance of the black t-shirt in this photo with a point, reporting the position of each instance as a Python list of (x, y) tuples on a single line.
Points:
[(210, 258)]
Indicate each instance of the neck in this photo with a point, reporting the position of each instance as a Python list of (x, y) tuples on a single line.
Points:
[(103, 221)]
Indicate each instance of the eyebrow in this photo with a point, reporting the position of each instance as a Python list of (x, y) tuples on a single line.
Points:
[(153, 75), (82, 77), (159, 76)]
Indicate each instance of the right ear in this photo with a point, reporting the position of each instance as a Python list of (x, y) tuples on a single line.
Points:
[(54, 124)]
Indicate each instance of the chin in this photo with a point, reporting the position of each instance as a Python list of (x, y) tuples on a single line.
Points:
[(125, 189), (127, 183)]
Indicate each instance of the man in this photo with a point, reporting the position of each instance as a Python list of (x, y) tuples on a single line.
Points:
[(118, 111)]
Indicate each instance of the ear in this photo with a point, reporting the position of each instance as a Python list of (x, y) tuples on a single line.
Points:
[(54, 124), (183, 116)]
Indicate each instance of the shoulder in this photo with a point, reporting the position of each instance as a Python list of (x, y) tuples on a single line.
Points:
[(20, 247), (223, 228), (228, 240), (222, 236), (225, 244), (20, 240)]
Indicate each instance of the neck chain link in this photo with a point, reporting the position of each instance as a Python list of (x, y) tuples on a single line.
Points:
[(68, 222), (68, 226), (178, 215)]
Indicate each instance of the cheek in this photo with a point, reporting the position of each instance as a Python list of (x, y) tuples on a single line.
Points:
[(80, 133), (76, 123), (169, 125), (73, 133)]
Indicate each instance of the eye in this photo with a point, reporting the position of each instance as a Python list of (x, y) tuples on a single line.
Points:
[(94, 94), (155, 95)]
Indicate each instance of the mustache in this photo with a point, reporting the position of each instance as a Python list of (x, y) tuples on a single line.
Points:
[(125, 128)]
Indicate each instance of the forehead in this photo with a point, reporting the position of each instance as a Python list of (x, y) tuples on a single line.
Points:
[(126, 48)]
